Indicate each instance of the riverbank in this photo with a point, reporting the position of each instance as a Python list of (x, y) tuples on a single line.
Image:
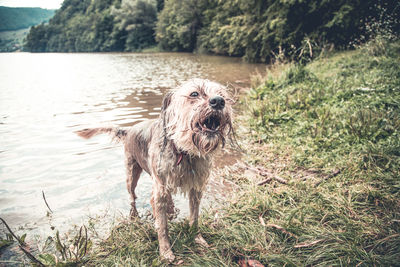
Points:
[(319, 182)]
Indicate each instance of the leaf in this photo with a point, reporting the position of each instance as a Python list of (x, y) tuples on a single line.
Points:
[(22, 238), (48, 259), (4, 243)]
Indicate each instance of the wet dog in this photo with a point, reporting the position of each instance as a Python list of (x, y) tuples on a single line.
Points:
[(176, 150)]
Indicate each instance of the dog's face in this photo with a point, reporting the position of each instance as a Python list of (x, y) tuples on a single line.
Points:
[(198, 116)]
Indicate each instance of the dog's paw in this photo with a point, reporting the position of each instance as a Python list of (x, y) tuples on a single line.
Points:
[(133, 214), (201, 241), (167, 255)]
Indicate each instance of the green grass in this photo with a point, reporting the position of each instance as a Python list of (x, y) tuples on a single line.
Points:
[(331, 129), (337, 113)]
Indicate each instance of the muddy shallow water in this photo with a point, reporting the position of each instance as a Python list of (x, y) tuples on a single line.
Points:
[(44, 98)]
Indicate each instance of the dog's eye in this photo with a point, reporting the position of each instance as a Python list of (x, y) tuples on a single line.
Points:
[(194, 94)]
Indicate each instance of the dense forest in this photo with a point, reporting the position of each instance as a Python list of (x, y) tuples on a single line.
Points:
[(21, 18), (254, 29), (101, 25)]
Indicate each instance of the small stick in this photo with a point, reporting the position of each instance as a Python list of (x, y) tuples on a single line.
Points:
[(306, 245), (22, 245), (263, 182), (31, 257), (280, 228), (261, 171), (280, 179), (12, 233), (335, 173), (45, 201)]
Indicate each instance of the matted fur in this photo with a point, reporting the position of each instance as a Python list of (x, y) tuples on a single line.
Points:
[(176, 149)]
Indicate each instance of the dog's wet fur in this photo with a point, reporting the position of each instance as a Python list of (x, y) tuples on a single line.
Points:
[(176, 149)]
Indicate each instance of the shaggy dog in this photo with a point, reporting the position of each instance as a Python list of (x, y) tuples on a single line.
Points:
[(176, 150)]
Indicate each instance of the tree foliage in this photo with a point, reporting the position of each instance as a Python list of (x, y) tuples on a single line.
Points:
[(254, 29), (137, 19), (178, 25), (101, 25)]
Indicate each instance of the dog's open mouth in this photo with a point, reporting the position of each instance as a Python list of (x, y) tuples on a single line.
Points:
[(211, 124)]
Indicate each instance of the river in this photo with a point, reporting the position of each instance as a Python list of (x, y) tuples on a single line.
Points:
[(44, 98)]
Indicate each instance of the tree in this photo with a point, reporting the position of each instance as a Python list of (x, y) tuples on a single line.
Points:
[(137, 18), (36, 40), (178, 24)]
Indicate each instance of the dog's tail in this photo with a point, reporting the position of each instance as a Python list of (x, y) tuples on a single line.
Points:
[(116, 133)]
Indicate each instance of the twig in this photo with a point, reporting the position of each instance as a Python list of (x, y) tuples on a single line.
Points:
[(22, 245), (261, 220), (263, 182), (335, 173), (263, 172), (280, 228), (12, 233), (45, 201), (280, 179), (30, 256), (306, 245)]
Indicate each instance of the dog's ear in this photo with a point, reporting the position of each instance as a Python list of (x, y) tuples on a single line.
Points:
[(166, 101)]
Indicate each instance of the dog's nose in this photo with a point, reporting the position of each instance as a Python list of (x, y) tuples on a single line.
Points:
[(217, 102)]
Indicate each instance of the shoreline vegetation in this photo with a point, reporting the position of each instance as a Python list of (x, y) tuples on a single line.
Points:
[(318, 184)]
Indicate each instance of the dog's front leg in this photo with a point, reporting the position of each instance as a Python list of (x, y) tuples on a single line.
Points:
[(160, 204), (194, 208)]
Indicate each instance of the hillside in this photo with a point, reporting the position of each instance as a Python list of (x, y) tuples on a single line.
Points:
[(101, 25), (20, 18)]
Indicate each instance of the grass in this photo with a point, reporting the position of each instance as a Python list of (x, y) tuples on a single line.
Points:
[(331, 130)]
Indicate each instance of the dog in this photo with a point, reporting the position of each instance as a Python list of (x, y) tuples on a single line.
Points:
[(176, 149)]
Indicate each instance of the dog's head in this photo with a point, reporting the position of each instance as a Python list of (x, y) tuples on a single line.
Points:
[(197, 116)]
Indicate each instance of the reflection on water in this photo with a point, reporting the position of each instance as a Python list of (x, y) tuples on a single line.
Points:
[(44, 98)]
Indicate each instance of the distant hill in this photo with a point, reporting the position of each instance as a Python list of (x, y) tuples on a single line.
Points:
[(100, 25), (22, 17)]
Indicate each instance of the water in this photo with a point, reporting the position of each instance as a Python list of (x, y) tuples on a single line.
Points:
[(44, 98)]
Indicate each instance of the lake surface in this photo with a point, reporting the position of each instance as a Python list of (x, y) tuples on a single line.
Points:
[(44, 98)]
